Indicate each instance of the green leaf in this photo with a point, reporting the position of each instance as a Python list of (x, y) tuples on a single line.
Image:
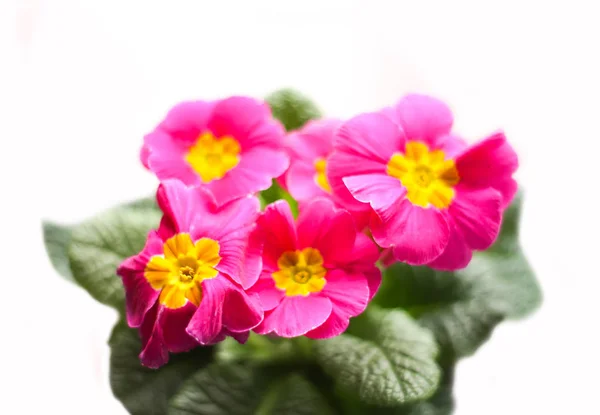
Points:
[(292, 108), (57, 239), (390, 359), (276, 192), (146, 391), (463, 308), (453, 307), (100, 244), (441, 403), (516, 292), (225, 388)]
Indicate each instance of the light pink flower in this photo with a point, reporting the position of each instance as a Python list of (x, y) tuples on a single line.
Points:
[(232, 147), (187, 286), (435, 199), (317, 272)]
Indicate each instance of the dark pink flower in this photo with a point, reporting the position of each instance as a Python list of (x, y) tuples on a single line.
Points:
[(187, 286)]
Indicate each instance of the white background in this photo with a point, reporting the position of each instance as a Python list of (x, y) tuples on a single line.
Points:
[(82, 81)]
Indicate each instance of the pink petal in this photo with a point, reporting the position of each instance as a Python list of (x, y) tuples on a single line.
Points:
[(257, 168), (379, 190), (239, 337), (154, 352), (423, 118), (452, 145), (173, 323), (144, 154), (457, 254), (207, 323), (270, 296), (187, 120), (296, 316), (314, 140), (241, 311), (278, 231), (326, 228), (508, 189), (339, 165), (247, 120), (181, 206), (477, 214), (163, 331), (489, 163), (231, 225), (139, 294), (363, 258), (349, 295), (418, 235), (166, 158), (363, 145), (300, 181)]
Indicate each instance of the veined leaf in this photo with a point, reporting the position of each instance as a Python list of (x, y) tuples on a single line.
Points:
[(391, 363)]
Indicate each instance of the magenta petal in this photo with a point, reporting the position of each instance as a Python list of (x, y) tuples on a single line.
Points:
[(489, 163), (278, 230), (457, 254), (379, 190), (173, 323), (349, 295), (300, 181), (187, 120), (326, 228), (247, 120), (477, 213), (423, 118), (371, 136), (270, 296), (241, 311), (418, 235), (154, 352), (296, 316), (181, 206), (207, 323), (363, 145), (144, 154), (363, 257), (231, 226), (257, 168), (139, 294), (452, 145), (241, 338), (508, 189), (166, 158), (314, 140)]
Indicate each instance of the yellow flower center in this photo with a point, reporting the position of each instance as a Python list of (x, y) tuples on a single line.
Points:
[(300, 272), (320, 176), (429, 178), (179, 272), (212, 158)]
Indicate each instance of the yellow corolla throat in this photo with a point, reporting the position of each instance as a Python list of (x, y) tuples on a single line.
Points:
[(429, 178), (179, 272), (301, 272), (213, 157), (320, 176)]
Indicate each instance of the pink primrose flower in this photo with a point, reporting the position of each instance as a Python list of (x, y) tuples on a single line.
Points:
[(232, 147), (434, 198), (187, 286), (316, 272)]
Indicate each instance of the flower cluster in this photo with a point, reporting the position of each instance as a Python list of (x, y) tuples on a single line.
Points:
[(394, 184)]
